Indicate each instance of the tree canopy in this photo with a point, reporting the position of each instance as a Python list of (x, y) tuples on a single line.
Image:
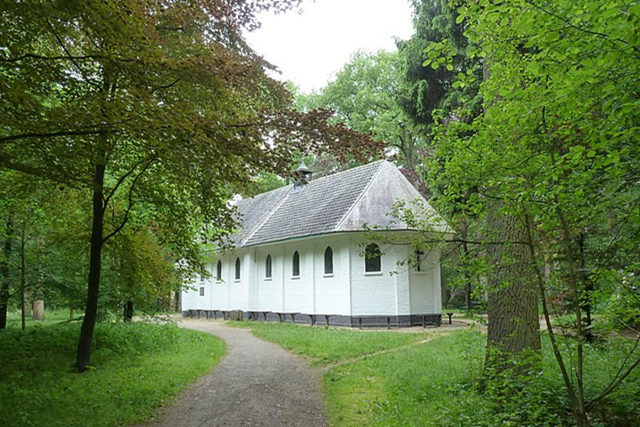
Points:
[(156, 109), (555, 150)]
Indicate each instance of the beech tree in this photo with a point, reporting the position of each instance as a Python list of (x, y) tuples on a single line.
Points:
[(160, 102), (364, 95)]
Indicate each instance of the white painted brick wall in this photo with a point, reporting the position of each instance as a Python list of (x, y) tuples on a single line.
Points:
[(402, 293)]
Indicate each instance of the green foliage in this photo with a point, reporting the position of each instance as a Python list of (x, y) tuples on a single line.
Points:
[(364, 95), (158, 112), (137, 367), (432, 60), (264, 182), (556, 149)]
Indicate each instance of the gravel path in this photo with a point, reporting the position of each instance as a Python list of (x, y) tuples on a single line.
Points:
[(256, 384)]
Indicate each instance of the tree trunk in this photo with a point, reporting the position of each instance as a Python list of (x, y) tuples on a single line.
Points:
[(83, 355), (5, 272), (464, 227), (23, 279), (128, 311), (38, 310), (513, 328), (588, 286), (27, 308)]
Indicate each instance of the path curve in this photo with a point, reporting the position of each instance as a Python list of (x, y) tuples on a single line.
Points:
[(256, 384)]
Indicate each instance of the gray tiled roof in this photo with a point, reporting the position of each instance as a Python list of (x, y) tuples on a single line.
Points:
[(340, 202)]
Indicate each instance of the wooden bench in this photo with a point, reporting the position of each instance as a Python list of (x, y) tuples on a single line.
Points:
[(253, 314), (438, 319), (388, 322), (326, 318), (283, 314), (210, 313), (194, 311)]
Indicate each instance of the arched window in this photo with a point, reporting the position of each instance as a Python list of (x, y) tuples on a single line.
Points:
[(372, 261), (296, 264), (237, 268), (267, 267), (328, 260), (219, 271)]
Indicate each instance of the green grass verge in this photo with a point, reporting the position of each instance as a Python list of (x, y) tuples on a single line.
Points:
[(325, 346), (14, 320), (436, 383), (138, 367), (412, 387)]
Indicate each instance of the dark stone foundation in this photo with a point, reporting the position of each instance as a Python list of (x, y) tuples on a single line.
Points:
[(376, 321)]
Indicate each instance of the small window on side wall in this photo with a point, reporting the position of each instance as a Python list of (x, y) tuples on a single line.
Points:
[(219, 271), (237, 269), (296, 264), (201, 291), (372, 259), (328, 260), (419, 260), (267, 267)]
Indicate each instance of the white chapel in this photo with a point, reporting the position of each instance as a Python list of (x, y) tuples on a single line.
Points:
[(302, 253)]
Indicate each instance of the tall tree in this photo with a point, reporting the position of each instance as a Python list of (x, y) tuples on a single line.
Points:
[(364, 95), (160, 101), (432, 88), (429, 79), (557, 147)]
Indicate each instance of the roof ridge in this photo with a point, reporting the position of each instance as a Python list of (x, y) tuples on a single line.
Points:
[(348, 170), (317, 179), (361, 195)]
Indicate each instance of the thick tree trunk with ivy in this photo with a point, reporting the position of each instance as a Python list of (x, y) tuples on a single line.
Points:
[(513, 329)]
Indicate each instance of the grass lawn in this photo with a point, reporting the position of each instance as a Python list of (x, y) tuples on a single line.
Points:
[(51, 317), (137, 367), (431, 378), (325, 346)]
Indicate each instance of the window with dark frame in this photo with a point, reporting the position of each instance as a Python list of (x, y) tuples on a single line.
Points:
[(372, 258), (419, 259), (296, 264), (219, 271), (328, 260), (237, 268), (267, 267), (201, 291)]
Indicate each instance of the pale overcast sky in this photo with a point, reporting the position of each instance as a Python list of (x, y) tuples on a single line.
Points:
[(310, 47)]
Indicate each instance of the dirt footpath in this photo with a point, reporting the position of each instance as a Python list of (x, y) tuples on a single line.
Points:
[(256, 384)]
